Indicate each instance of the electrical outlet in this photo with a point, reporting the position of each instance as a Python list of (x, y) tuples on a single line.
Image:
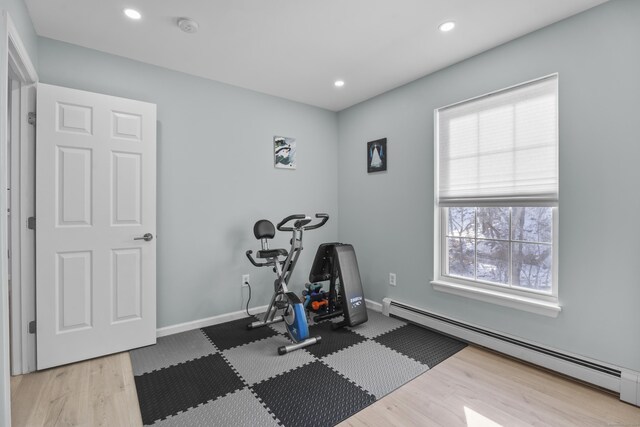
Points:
[(245, 280), (392, 279)]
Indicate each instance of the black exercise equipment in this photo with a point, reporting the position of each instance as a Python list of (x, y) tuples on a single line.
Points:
[(337, 263)]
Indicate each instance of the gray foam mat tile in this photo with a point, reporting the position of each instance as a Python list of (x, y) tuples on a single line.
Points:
[(259, 360), (375, 367), (171, 350), (278, 327), (376, 325), (239, 409), (235, 333)]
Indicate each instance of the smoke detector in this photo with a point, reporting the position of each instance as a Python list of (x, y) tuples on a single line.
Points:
[(188, 25)]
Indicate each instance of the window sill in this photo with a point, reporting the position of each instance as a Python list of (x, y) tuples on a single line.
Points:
[(532, 305)]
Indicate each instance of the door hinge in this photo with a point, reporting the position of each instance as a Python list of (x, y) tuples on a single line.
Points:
[(31, 118), (31, 223), (32, 327)]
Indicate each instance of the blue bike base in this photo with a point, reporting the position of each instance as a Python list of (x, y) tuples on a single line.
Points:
[(299, 329)]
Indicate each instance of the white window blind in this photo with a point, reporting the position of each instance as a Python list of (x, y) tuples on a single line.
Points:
[(501, 148)]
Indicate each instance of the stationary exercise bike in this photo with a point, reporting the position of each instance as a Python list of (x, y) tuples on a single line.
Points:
[(283, 263)]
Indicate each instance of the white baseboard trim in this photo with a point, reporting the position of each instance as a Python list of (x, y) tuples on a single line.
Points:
[(372, 305), (227, 317), (209, 321), (604, 375)]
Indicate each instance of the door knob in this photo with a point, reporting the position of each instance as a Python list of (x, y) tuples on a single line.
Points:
[(147, 237)]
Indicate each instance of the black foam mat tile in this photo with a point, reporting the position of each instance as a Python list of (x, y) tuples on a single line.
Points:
[(312, 396), (235, 333), (421, 344), (319, 385), (331, 340), (169, 391)]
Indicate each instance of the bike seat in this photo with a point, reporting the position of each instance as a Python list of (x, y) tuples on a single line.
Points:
[(271, 253)]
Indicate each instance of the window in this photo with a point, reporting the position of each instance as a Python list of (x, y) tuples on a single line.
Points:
[(497, 194), (510, 247)]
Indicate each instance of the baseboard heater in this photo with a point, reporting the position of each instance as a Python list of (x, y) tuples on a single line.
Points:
[(618, 380)]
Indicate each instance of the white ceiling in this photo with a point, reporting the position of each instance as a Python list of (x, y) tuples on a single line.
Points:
[(296, 49)]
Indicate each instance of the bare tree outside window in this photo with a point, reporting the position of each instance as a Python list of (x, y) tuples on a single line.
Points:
[(461, 243), (531, 249), (501, 245)]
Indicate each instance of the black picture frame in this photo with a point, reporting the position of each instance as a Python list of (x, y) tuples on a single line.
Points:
[(377, 155)]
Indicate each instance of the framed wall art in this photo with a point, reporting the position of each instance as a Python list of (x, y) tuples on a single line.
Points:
[(284, 152), (377, 155)]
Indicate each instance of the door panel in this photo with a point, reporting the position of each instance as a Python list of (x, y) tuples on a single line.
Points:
[(126, 284), (126, 188), (95, 193), (73, 186), (74, 288)]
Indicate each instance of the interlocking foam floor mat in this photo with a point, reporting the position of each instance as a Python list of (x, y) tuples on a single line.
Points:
[(226, 375)]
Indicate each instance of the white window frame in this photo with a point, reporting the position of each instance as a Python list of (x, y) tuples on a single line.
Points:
[(505, 295), (527, 300)]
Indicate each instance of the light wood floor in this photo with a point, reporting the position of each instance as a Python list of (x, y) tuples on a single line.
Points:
[(477, 388), (97, 392), (473, 388)]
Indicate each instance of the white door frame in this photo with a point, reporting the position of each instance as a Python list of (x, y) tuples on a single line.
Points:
[(18, 59), (22, 142), (22, 239)]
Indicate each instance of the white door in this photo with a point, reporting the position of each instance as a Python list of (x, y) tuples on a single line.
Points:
[(95, 199)]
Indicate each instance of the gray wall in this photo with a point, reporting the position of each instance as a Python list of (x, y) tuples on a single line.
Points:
[(18, 13), (389, 216), (20, 17), (215, 175)]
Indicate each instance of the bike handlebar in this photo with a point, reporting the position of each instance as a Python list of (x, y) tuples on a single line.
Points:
[(289, 218), (253, 261), (323, 216)]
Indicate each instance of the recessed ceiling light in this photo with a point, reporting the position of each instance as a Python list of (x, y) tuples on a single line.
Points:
[(132, 14), (447, 26), (338, 83)]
